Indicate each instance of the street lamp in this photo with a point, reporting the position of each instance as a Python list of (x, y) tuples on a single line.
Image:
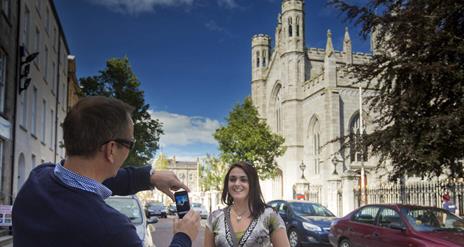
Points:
[(302, 185), (335, 160), (361, 132), (302, 168)]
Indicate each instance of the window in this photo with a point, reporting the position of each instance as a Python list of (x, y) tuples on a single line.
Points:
[(34, 164), (357, 151), (298, 26), (43, 121), (37, 40), (34, 112), (52, 129), (278, 111), (26, 28), (3, 61), (47, 20), (46, 64), (63, 95), (290, 27), (366, 215), (316, 150), (388, 217), (6, 4), (257, 59), (283, 208), (274, 205), (38, 6), (264, 59), (53, 77), (54, 38), (23, 107)]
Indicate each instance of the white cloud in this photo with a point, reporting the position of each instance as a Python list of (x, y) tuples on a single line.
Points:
[(134, 7), (185, 130), (228, 3), (213, 26)]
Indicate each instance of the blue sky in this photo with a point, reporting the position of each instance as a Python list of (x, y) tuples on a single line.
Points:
[(192, 57)]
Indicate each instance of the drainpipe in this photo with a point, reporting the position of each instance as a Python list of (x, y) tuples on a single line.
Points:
[(15, 105), (57, 96)]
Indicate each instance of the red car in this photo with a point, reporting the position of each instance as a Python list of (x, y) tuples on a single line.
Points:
[(397, 225)]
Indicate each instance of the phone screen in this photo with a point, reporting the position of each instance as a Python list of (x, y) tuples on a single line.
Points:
[(182, 203)]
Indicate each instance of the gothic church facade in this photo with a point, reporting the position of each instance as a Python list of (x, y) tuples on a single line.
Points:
[(307, 96)]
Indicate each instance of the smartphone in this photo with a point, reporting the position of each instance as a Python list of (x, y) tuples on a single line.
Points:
[(182, 203)]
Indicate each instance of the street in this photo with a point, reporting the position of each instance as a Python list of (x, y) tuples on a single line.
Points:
[(162, 233)]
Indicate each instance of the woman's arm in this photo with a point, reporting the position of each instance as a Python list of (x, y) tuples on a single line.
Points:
[(279, 238), (209, 238)]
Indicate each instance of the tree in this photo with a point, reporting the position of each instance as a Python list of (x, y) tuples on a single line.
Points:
[(246, 137), (118, 80), (419, 74), (212, 171)]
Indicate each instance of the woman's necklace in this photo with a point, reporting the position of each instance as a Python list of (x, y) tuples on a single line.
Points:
[(239, 216)]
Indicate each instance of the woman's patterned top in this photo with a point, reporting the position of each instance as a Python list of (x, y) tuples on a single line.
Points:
[(257, 234)]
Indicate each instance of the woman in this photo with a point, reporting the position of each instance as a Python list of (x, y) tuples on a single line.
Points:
[(246, 221)]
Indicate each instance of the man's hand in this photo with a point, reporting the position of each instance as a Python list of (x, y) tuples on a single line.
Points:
[(166, 182), (189, 224)]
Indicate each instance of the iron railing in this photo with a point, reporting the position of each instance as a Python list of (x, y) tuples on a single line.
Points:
[(423, 193)]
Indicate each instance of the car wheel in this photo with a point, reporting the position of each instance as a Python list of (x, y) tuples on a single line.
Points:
[(344, 243), (293, 238)]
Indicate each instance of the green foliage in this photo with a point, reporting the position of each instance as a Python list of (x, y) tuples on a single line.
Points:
[(118, 80), (419, 74), (212, 171), (162, 163), (246, 137)]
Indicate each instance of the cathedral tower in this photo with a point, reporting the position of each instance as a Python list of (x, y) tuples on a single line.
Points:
[(292, 21), (260, 58)]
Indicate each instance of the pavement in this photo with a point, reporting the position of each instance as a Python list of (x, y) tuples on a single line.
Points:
[(162, 234)]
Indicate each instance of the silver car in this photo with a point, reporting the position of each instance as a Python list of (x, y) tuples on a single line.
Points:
[(198, 207), (131, 207)]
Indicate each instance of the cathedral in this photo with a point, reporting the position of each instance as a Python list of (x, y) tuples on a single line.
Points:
[(307, 96)]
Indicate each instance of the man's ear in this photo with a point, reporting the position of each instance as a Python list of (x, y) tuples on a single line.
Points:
[(108, 151)]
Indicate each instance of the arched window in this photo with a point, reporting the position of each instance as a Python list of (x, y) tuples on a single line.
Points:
[(357, 151), (278, 110), (297, 26), (257, 59), (290, 32), (316, 146), (264, 59)]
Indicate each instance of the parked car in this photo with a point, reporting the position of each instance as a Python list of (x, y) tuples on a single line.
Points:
[(155, 209), (172, 209), (131, 207), (198, 207), (398, 225), (307, 223)]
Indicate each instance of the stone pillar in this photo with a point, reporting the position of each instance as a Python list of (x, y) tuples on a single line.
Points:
[(332, 194), (347, 193)]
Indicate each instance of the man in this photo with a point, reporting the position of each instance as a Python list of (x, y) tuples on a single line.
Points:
[(63, 204), (448, 204)]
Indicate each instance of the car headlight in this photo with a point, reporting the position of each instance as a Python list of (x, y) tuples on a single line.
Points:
[(311, 227)]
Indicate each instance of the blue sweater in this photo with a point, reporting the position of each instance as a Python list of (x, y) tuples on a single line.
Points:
[(49, 213)]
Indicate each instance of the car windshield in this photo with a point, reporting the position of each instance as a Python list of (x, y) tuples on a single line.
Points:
[(127, 206), (432, 219), (310, 209)]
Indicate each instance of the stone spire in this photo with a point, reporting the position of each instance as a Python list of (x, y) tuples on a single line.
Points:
[(329, 50), (347, 48)]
